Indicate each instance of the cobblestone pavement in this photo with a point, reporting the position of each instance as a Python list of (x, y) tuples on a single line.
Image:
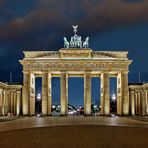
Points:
[(31, 122)]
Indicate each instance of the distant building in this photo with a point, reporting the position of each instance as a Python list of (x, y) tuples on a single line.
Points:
[(138, 94), (10, 99)]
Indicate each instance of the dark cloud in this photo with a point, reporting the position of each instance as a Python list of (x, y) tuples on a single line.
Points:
[(1, 2), (58, 15)]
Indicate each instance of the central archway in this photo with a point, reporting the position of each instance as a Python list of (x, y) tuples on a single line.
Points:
[(75, 95)]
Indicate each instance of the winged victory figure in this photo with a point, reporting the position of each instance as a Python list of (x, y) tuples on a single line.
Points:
[(75, 28)]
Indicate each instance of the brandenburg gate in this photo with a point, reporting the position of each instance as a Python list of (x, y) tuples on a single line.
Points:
[(76, 59)]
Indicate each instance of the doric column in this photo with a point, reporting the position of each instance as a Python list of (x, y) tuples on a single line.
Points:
[(122, 94), (139, 103), (132, 97), (15, 99), (4, 101), (64, 93), (1, 102), (49, 100), (105, 95), (87, 93), (6, 105), (18, 103), (146, 101), (32, 95), (143, 108), (136, 103), (46, 94), (26, 93), (12, 102), (9, 101)]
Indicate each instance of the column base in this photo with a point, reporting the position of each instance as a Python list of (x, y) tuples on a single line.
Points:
[(124, 115), (63, 115), (49, 115), (87, 115), (107, 115)]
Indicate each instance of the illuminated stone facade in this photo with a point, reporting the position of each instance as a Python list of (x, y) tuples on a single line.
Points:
[(138, 99), (10, 99), (75, 62)]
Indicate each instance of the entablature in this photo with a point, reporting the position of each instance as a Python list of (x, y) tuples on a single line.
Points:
[(71, 73), (6, 86), (77, 65), (75, 53)]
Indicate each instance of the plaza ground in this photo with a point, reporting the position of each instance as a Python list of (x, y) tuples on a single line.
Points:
[(74, 132)]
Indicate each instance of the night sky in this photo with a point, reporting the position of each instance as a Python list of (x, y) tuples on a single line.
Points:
[(112, 25)]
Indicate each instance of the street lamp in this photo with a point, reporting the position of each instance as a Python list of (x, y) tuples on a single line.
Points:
[(114, 97), (38, 98), (114, 103)]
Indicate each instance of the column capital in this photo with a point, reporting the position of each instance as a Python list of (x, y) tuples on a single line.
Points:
[(105, 72), (87, 71), (18, 91), (64, 71), (26, 72), (132, 91), (125, 72), (45, 72)]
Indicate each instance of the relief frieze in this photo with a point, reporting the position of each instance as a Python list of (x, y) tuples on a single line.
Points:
[(66, 65)]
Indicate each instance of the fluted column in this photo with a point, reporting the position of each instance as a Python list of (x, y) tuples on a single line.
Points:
[(119, 94), (105, 95), (143, 108), (26, 93), (136, 103), (122, 94), (87, 93), (132, 97), (9, 101), (49, 99), (146, 101), (12, 102), (46, 94), (32, 95), (64, 93), (6, 105), (1, 102), (139, 104), (18, 103), (15, 99)]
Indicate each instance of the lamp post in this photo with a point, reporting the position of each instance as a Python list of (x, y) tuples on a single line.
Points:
[(38, 98), (114, 97), (114, 102)]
